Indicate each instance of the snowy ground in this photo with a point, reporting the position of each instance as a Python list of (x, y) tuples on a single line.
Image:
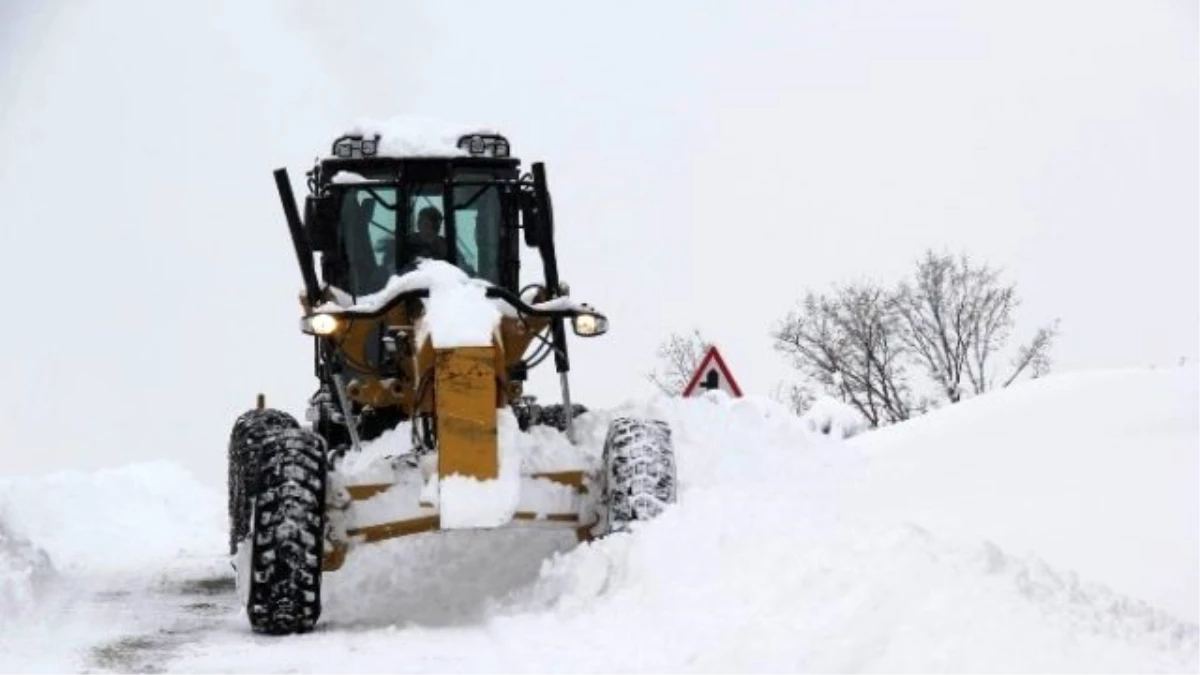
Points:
[(1051, 527)]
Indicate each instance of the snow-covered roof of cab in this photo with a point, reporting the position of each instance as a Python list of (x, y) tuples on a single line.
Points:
[(417, 137)]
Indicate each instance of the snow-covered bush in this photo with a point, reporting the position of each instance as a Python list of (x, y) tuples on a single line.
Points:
[(831, 417)]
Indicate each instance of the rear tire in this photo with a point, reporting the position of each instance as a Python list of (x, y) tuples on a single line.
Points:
[(639, 479), (553, 415), (251, 431), (288, 536)]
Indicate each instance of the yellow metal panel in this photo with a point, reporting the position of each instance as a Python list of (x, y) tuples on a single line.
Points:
[(366, 490), (399, 528), (569, 478), (334, 559), (465, 401), (551, 517)]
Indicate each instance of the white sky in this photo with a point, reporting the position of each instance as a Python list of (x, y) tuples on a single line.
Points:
[(709, 163)]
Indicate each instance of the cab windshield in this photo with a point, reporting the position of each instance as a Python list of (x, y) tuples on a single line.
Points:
[(387, 229)]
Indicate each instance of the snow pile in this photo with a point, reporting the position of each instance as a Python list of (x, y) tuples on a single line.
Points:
[(832, 417), (24, 572), (793, 592), (781, 554), (1048, 527), (408, 136), (792, 551), (115, 518), (1095, 472)]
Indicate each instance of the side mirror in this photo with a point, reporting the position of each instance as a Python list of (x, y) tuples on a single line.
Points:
[(530, 219), (592, 324), (320, 222), (543, 208)]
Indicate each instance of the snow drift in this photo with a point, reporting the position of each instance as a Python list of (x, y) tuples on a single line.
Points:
[(922, 547), (1094, 472), (1048, 527), (783, 554), (25, 570), (114, 519)]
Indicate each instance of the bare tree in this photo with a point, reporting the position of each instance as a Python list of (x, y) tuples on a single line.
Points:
[(953, 320), (956, 317), (794, 396), (847, 343), (679, 357)]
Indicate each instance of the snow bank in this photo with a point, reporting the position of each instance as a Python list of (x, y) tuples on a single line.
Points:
[(1094, 472), (792, 551), (24, 572), (789, 592), (115, 518), (407, 136)]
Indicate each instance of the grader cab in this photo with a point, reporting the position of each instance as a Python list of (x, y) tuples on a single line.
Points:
[(423, 340)]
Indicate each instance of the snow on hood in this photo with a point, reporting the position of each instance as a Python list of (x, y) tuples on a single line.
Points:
[(457, 311), (348, 177), (408, 136)]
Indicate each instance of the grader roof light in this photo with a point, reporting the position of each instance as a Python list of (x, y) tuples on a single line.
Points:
[(484, 145), (356, 147)]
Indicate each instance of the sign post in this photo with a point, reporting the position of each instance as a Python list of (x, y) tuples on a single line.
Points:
[(712, 373)]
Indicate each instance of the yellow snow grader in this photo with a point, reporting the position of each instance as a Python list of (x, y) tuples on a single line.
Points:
[(423, 340)]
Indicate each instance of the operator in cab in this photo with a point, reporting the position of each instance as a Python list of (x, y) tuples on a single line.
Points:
[(429, 240)]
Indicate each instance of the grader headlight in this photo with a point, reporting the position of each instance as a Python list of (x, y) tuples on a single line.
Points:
[(589, 325), (321, 324)]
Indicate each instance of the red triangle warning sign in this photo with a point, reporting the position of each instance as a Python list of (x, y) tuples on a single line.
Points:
[(712, 373)]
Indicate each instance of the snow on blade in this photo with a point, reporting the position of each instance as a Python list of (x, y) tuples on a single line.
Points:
[(416, 136), (466, 502)]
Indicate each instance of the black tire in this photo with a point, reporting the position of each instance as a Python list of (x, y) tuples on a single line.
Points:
[(553, 415), (250, 432), (288, 536), (639, 478)]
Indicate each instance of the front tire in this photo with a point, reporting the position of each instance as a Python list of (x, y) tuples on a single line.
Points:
[(252, 430), (287, 540), (639, 478)]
